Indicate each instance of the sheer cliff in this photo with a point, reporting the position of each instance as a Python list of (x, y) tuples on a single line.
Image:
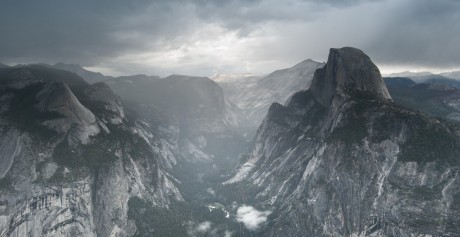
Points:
[(341, 159), (70, 160)]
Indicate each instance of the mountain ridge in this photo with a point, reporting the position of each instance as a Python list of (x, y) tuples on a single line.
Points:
[(71, 160), (347, 71), (143, 155), (253, 95), (338, 168)]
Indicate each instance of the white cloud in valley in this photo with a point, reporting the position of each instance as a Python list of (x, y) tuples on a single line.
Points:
[(252, 218)]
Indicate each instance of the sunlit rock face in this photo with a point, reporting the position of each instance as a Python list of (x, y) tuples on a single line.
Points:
[(342, 160), (70, 161)]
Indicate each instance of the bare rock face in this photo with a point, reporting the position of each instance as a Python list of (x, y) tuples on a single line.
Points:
[(60, 173), (348, 71), (56, 97), (342, 159), (60, 210), (10, 145), (103, 98)]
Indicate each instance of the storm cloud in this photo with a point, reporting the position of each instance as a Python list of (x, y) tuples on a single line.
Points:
[(205, 37)]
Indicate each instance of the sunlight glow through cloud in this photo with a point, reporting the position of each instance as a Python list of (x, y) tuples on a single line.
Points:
[(204, 38)]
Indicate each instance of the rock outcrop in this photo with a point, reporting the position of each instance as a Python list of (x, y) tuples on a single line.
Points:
[(70, 161), (348, 72), (56, 97), (342, 160), (101, 97)]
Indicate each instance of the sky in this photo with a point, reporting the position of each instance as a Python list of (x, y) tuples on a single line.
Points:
[(206, 37)]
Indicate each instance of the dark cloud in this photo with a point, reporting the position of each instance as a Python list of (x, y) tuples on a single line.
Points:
[(84, 31), (202, 37), (421, 32)]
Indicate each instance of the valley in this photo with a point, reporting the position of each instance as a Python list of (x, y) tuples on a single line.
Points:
[(317, 149)]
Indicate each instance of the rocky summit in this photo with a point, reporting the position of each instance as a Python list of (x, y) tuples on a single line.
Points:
[(70, 161), (348, 72), (171, 157), (341, 159)]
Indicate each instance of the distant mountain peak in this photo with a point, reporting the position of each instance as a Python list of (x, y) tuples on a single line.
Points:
[(409, 73), (305, 64), (348, 71), (307, 61)]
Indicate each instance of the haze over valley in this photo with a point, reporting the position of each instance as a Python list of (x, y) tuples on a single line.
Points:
[(230, 118)]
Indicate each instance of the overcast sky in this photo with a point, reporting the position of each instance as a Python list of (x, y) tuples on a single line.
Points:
[(203, 37)]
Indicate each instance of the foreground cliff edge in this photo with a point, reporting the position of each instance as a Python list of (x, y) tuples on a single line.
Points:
[(78, 160), (341, 159), (69, 159)]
